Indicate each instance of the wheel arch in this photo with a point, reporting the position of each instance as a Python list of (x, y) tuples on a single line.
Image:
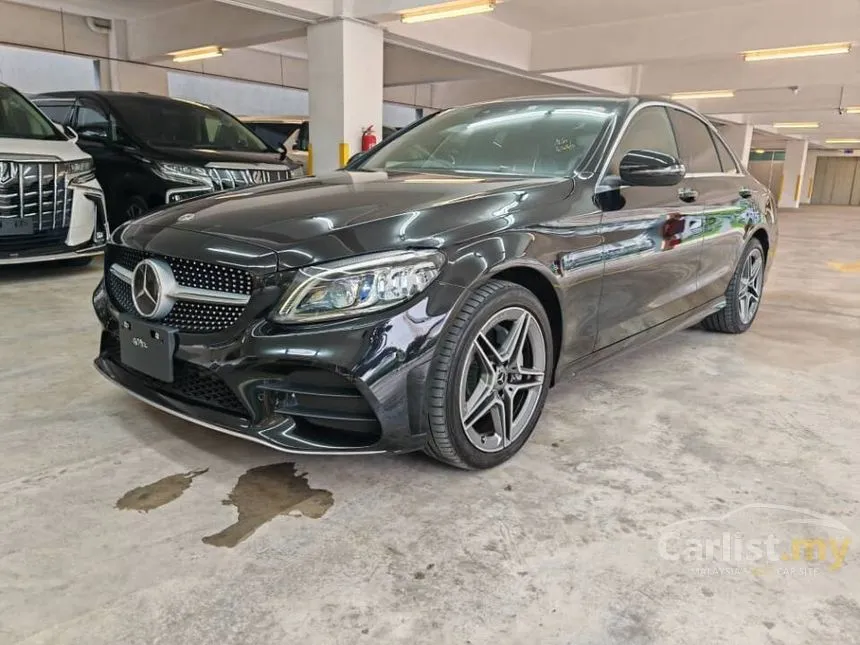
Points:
[(530, 277)]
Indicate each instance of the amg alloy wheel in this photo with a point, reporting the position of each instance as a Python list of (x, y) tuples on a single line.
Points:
[(743, 295), (491, 377), (500, 381)]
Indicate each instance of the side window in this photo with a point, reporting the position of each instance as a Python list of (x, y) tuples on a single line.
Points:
[(726, 160), (58, 112), (650, 129), (92, 122), (698, 153)]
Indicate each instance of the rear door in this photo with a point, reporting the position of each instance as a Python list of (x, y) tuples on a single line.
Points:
[(652, 239), (726, 196)]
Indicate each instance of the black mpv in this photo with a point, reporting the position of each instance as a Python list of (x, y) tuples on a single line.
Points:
[(427, 296), (153, 150)]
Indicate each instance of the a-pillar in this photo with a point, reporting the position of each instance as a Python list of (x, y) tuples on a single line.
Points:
[(739, 138), (792, 173), (345, 87)]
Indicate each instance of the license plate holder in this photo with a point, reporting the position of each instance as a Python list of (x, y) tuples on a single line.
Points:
[(147, 347), (15, 226)]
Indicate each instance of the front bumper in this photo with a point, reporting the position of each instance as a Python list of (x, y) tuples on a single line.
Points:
[(356, 387), (84, 236)]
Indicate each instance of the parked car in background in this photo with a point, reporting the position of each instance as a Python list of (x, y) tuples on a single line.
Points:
[(291, 132), (51, 205), (154, 150), (427, 296)]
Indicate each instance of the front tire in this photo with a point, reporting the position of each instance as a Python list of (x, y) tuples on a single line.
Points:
[(743, 295), (490, 377)]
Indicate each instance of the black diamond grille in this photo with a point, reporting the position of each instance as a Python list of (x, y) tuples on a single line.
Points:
[(191, 317)]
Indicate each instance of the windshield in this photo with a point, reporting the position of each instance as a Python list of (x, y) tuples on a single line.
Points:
[(180, 124), (20, 119), (540, 138)]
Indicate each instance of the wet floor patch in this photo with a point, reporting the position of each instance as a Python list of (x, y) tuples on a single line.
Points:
[(265, 492), (164, 491)]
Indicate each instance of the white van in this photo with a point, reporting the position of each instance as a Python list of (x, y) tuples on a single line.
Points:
[(51, 206)]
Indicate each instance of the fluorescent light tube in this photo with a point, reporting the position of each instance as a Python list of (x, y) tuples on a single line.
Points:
[(188, 55), (447, 10), (796, 52), (852, 110), (841, 141), (799, 125), (712, 94)]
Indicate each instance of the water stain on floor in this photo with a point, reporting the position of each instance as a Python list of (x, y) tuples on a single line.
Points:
[(265, 492), (164, 491)]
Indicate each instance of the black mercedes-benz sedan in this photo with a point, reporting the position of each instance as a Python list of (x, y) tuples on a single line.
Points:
[(429, 294)]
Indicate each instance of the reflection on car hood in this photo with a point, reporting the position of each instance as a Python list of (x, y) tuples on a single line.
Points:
[(348, 213)]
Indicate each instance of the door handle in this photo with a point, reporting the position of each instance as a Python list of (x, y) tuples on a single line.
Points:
[(746, 193), (688, 194)]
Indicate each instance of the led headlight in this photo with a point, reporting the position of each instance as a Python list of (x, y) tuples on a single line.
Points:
[(181, 173), (81, 171), (356, 286)]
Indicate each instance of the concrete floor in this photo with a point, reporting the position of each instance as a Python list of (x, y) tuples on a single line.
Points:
[(559, 546)]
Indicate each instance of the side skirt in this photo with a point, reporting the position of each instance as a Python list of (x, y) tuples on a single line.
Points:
[(642, 338)]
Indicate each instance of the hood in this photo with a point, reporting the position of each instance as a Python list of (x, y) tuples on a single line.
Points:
[(203, 156), (347, 213), (63, 150)]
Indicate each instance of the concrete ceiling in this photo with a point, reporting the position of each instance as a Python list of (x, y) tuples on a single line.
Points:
[(656, 47)]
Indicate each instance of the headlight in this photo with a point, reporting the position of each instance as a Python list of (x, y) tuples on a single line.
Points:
[(181, 173), (298, 172), (357, 286), (81, 171)]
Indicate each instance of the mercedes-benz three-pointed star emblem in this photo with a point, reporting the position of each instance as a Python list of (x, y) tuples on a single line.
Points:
[(151, 286)]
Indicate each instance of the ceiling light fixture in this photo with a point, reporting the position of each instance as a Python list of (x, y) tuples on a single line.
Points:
[(798, 125), (852, 110), (452, 9), (199, 53), (841, 141), (759, 151), (712, 94), (803, 51)]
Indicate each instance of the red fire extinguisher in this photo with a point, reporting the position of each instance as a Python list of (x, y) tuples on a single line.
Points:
[(368, 139)]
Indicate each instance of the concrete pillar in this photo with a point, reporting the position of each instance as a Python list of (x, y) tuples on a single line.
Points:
[(739, 139), (345, 87), (792, 173)]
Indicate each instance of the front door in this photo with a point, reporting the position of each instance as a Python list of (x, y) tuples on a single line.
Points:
[(652, 239)]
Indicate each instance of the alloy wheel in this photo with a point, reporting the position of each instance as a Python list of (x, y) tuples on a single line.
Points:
[(752, 279), (502, 378)]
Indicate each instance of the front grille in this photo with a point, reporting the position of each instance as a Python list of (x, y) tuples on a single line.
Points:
[(37, 191), (230, 178), (190, 317), (191, 383)]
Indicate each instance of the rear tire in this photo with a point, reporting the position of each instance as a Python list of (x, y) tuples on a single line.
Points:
[(490, 377), (743, 295)]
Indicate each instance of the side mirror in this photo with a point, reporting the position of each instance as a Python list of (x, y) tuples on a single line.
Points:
[(93, 134), (73, 136), (650, 168), (70, 134)]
